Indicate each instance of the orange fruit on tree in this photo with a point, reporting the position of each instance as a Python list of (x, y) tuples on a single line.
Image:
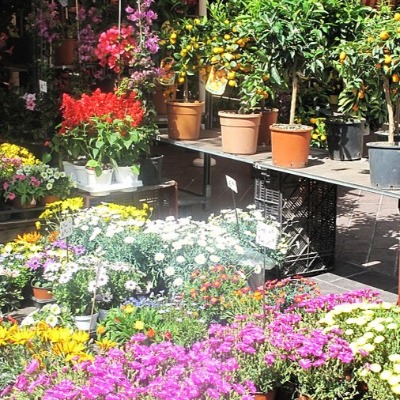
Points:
[(388, 59), (232, 83), (384, 35), (323, 138), (315, 136), (231, 75), (313, 121), (355, 107), (342, 55), (181, 79), (361, 94), (395, 78), (396, 16)]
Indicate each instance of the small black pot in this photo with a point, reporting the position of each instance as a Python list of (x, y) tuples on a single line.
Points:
[(151, 170), (345, 139)]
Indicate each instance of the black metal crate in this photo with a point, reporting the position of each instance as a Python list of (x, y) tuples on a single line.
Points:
[(162, 198), (306, 209)]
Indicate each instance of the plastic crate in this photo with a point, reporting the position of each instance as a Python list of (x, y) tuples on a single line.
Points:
[(163, 198), (306, 210)]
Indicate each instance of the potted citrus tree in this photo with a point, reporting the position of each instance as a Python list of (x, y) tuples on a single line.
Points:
[(293, 36), (370, 67), (236, 69), (182, 42)]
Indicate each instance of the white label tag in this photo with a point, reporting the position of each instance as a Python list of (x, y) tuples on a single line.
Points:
[(231, 183), (66, 228), (42, 86), (267, 235)]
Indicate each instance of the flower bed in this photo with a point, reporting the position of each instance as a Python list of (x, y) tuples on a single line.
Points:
[(180, 310)]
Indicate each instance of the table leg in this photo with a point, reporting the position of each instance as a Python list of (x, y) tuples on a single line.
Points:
[(207, 175)]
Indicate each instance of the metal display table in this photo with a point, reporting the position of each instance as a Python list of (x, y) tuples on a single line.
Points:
[(352, 174), (303, 200)]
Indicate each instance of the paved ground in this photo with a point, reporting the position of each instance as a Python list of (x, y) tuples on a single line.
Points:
[(367, 235)]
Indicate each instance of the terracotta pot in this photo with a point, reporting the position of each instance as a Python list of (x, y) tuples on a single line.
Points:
[(48, 199), (290, 145), (184, 120), (42, 293), (268, 118), (65, 54), (161, 95), (265, 396), (17, 203), (239, 132), (304, 397)]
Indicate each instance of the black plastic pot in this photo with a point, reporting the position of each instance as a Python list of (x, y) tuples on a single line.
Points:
[(150, 170), (345, 138), (384, 165), (383, 136)]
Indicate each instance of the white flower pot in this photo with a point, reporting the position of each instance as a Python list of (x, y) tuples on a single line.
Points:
[(104, 179), (125, 175), (86, 322), (81, 175), (69, 169)]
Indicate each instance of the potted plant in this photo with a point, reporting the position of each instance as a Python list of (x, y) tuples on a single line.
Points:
[(182, 42), (24, 187), (236, 67), (97, 127), (76, 288), (56, 184), (293, 36), (369, 66)]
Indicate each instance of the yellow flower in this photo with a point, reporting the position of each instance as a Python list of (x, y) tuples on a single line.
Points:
[(105, 344), (139, 325), (21, 336), (375, 368), (3, 336), (31, 237), (128, 309), (80, 336), (69, 348)]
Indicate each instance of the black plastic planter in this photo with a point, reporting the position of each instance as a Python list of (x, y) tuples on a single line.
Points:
[(384, 165), (345, 138)]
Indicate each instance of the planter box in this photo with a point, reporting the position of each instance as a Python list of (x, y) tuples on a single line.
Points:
[(306, 209)]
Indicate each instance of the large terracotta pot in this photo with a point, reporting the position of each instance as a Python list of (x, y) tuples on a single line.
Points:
[(65, 54), (290, 145), (268, 118), (161, 95), (184, 119), (265, 396), (48, 199), (239, 132), (17, 203), (42, 293)]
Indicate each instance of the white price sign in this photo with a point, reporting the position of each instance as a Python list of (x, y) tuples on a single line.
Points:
[(231, 183), (42, 86), (267, 235), (66, 228)]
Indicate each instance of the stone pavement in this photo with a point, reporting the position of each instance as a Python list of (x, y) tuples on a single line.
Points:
[(367, 235)]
